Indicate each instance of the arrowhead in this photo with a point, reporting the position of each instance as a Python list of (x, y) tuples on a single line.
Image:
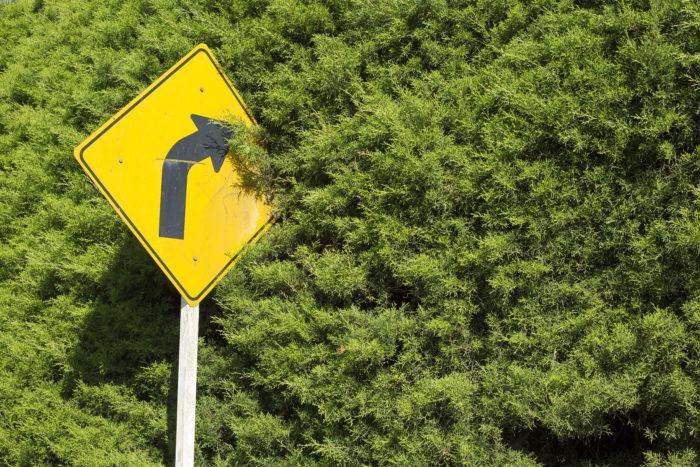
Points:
[(215, 135), (203, 123)]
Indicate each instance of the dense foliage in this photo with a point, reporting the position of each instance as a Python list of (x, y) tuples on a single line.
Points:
[(487, 254)]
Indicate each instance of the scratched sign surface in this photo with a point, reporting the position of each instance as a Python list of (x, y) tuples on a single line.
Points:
[(162, 163)]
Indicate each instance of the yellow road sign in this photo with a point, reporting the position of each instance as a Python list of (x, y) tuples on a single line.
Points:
[(162, 163)]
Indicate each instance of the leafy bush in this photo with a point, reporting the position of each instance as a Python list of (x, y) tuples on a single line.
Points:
[(487, 252)]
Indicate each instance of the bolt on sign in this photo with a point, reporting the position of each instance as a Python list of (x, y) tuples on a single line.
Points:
[(162, 163)]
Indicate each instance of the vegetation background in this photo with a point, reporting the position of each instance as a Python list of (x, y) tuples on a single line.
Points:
[(488, 251)]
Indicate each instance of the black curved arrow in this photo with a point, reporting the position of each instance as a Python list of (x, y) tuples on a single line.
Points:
[(210, 140)]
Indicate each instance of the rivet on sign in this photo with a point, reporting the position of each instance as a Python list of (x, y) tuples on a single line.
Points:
[(195, 259), (121, 161), (201, 89)]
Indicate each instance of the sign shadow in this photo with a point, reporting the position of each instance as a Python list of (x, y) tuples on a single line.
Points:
[(127, 352)]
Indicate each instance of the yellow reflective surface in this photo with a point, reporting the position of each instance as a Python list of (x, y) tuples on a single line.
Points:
[(124, 158)]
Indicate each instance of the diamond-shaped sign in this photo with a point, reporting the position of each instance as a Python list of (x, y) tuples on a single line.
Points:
[(162, 162)]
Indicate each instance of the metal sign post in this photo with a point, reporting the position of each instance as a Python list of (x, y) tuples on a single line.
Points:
[(186, 384)]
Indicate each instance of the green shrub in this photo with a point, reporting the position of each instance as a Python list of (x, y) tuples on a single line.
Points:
[(487, 248)]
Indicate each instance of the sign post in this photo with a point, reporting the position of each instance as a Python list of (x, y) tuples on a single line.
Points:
[(162, 163), (186, 384)]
